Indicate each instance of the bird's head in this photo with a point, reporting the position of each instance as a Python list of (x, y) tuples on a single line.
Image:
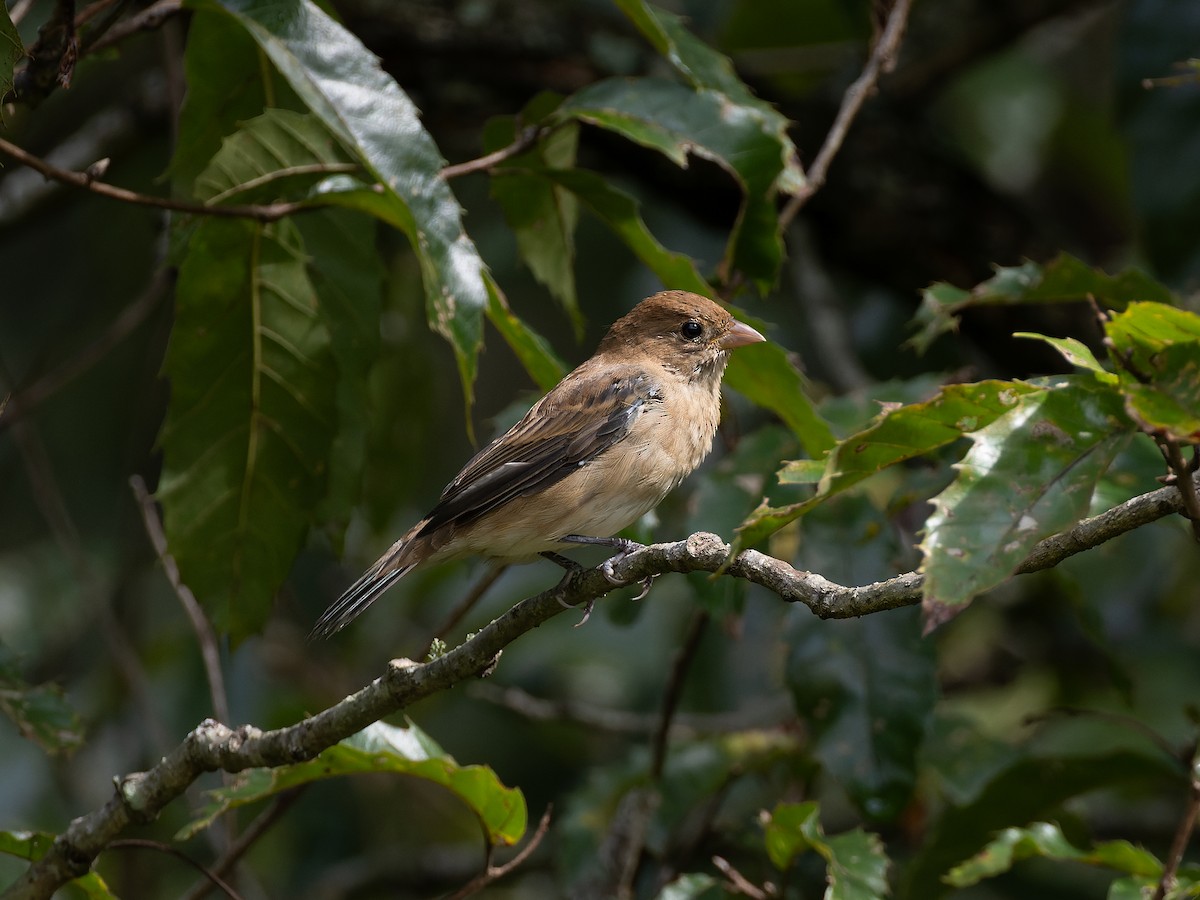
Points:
[(682, 330)]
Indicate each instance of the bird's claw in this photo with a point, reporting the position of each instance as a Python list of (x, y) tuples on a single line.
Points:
[(608, 570)]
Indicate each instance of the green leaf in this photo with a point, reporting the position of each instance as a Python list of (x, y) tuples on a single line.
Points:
[(855, 860), (342, 83), (1029, 474), (535, 354), (348, 278), (1062, 280), (1074, 351), (32, 846), (897, 434), (275, 155), (619, 212), (11, 50), (764, 374), (41, 713), (542, 215), (251, 419), (382, 748), (866, 689), (676, 120), (1160, 374), (1026, 790), (1045, 839)]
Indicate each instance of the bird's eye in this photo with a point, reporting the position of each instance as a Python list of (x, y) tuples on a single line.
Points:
[(691, 330)]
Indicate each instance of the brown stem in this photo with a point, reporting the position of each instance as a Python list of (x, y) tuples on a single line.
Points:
[(881, 60), (142, 844), (493, 873), (1183, 834)]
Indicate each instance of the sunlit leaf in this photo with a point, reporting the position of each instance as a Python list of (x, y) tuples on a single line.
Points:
[(40, 712), (1063, 279), (1028, 474), (252, 416), (897, 434), (382, 748), (696, 886), (1075, 352), (1045, 839), (1160, 372)]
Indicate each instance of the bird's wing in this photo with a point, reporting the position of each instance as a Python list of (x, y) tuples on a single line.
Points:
[(570, 426)]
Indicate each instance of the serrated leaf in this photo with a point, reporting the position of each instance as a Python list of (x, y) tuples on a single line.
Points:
[(896, 435), (377, 124), (535, 354), (541, 214), (251, 418), (40, 712), (1145, 329), (11, 50), (1160, 373), (676, 120), (275, 155), (1062, 280), (855, 860), (619, 212), (1028, 474), (1074, 351), (32, 846), (382, 748), (1045, 839)]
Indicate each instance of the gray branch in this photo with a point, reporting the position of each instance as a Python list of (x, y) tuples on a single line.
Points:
[(212, 746)]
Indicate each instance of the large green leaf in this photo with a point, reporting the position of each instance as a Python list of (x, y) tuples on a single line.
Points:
[(277, 154), (1063, 279), (676, 120), (1046, 840), (336, 77), (382, 748), (542, 215), (1029, 473), (40, 712), (252, 415), (755, 246), (856, 865), (866, 688), (897, 434)]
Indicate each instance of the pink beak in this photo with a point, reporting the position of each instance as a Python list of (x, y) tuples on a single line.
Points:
[(739, 335)]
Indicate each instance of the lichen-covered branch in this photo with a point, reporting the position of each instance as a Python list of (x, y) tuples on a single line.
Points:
[(212, 746)]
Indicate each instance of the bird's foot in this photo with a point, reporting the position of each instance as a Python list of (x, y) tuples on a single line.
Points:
[(573, 569), (624, 547)]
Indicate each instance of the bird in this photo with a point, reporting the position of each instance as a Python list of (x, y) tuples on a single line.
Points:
[(590, 458)]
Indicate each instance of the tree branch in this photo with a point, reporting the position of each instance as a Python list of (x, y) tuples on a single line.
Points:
[(882, 59), (141, 796)]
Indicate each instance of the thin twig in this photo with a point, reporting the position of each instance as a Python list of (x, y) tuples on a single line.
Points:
[(150, 18), (1183, 473), (526, 139), (882, 59), (493, 873), (141, 844), (684, 657), (740, 882), (205, 636), (246, 840), (1183, 834), (37, 392), (269, 212)]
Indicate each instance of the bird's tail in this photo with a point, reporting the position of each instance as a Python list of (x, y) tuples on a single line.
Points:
[(358, 597)]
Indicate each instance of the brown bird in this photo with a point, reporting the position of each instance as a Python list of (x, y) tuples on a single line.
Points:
[(590, 458)]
